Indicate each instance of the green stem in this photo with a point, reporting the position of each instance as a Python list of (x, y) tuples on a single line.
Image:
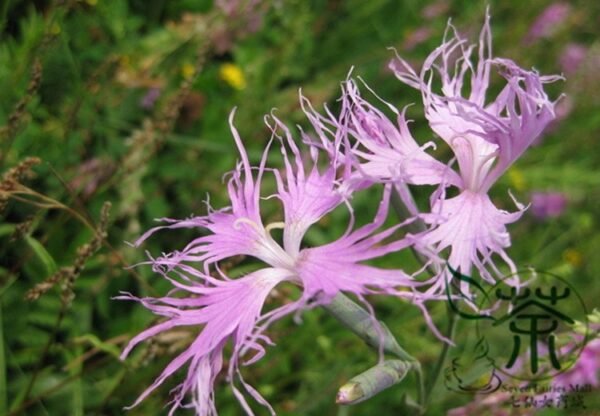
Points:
[(375, 333), (403, 212), (415, 227), (3, 13), (442, 357), (3, 391), (421, 397), (343, 410)]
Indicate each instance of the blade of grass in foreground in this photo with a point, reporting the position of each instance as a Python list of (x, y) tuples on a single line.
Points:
[(3, 406)]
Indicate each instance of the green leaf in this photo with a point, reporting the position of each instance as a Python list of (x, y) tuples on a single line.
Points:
[(6, 229), (99, 344), (3, 384), (43, 255)]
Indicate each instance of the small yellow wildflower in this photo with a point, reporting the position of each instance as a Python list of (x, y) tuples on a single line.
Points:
[(188, 70), (573, 257), (233, 75), (516, 178), (55, 29)]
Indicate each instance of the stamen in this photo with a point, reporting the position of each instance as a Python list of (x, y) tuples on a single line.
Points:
[(481, 166), (275, 225), (243, 220)]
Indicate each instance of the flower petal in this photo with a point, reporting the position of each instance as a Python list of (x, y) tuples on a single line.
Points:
[(496, 132), (336, 267), (229, 311), (472, 227), (388, 152), (305, 198)]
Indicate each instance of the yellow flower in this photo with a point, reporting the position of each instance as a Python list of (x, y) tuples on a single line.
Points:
[(573, 257), (188, 70), (55, 29), (516, 178), (233, 75)]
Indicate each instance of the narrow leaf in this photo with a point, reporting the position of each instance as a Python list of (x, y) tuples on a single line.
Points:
[(43, 255)]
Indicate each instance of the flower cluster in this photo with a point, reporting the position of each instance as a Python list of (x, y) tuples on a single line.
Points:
[(348, 152)]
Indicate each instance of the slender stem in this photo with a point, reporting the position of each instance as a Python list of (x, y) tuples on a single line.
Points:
[(403, 212), (343, 410), (3, 14), (3, 392), (38, 367), (443, 354), (46, 393), (420, 379), (20, 409), (415, 227), (375, 333), (50, 203)]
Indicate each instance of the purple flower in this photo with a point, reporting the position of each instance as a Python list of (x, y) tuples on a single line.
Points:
[(572, 57), (387, 150), (417, 37), (548, 21), (231, 309), (241, 18), (494, 404), (435, 9), (486, 135), (548, 204), (149, 99), (585, 370), (234, 8)]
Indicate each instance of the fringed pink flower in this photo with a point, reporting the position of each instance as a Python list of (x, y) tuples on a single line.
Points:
[(386, 150), (485, 134), (226, 310), (230, 310)]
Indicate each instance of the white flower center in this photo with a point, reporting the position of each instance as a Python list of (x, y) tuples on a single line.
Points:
[(475, 159), (268, 249)]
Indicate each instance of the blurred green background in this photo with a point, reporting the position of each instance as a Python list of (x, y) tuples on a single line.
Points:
[(127, 102)]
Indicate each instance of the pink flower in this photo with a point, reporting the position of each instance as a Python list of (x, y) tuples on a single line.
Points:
[(435, 9), (231, 309), (585, 370), (241, 18), (548, 21), (548, 204), (486, 135), (387, 151), (417, 37), (149, 99), (572, 57)]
